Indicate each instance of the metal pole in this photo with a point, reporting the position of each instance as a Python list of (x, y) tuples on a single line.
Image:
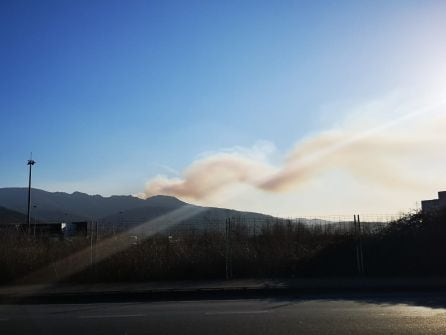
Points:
[(91, 244), (358, 245), (358, 261), (227, 249), (28, 217), (228, 255), (95, 249), (361, 252), (34, 220)]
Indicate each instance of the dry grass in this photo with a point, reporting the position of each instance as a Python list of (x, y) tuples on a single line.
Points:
[(412, 245)]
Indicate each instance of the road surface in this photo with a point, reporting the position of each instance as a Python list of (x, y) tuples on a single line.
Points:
[(411, 313)]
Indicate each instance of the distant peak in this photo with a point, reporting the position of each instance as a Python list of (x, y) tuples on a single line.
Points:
[(164, 200), (78, 193), (161, 196)]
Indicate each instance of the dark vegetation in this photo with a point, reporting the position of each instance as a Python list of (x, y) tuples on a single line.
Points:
[(411, 246), (7, 216)]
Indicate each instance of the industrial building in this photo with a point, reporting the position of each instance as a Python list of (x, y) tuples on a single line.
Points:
[(434, 205), (53, 230)]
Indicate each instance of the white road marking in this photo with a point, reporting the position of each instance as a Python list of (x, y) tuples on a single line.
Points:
[(237, 312), (110, 316)]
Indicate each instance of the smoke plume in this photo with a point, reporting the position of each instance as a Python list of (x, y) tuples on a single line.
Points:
[(388, 156)]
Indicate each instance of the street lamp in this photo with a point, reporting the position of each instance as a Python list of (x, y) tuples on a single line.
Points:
[(30, 163)]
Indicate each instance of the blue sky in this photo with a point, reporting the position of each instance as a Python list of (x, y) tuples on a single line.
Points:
[(109, 94)]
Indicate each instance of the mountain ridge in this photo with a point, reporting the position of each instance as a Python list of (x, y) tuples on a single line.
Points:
[(116, 209)]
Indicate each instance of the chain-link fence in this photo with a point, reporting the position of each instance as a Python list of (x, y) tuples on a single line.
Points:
[(335, 224), (234, 247), (280, 246)]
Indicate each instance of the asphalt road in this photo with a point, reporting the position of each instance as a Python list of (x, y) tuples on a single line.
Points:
[(411, 313)]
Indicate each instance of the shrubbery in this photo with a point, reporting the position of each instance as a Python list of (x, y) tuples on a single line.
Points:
[(413, 245)]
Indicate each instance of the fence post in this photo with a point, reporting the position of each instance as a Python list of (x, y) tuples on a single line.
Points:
[(91, 244), (228, 256), (361, 251), (358, 245)]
